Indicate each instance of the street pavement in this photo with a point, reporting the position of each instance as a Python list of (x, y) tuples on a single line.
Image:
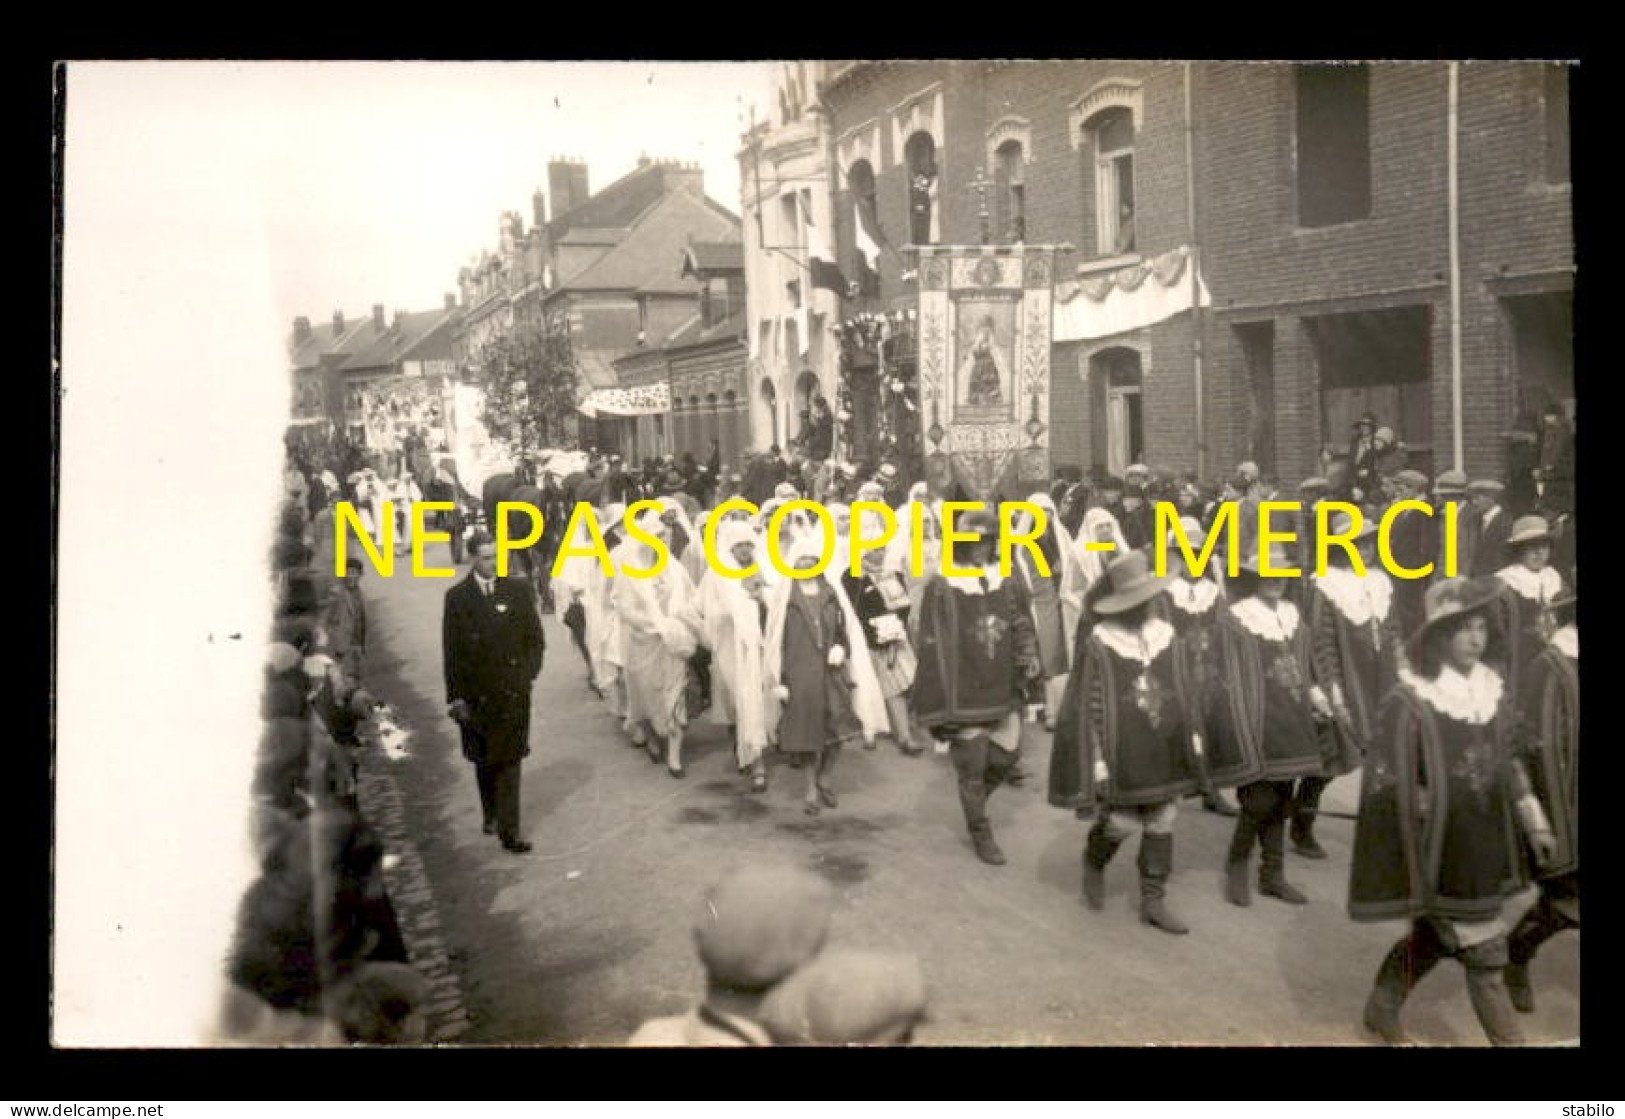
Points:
[(579, 941)]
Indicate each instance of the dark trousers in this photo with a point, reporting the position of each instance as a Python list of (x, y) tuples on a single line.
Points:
[(1264, 808), (1306, 804), (499, 797), (981, 767), (1552, 913)]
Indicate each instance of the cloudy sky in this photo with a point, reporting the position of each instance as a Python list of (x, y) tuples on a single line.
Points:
[(204, 206)]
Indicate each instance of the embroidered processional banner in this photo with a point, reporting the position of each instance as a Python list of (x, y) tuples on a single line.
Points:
[(985, 322)]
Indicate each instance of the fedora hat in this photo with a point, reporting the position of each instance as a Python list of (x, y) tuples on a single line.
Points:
[(1529, 530), (1194, 532), (1279, 560), (1131, 583), (1451, 598), (1338, 524)]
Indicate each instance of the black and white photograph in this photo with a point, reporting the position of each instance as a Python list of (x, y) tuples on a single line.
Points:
[(937, 553)]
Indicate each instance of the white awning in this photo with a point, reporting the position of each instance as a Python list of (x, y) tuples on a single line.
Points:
[(1128, 298), (643, 400)]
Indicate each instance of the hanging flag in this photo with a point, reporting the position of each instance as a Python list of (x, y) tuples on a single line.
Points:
[(821, 264), (803, 329), (868, 243)]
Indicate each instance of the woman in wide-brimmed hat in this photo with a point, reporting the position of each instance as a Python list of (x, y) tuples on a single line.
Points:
[(1551, 739), (1125, 752), (1356, 652), (1436, 842), (1262, 720), (1532, 585)]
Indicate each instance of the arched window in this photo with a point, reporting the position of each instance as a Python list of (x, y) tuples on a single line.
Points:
[(920, 157), (1109, 144), (1010, 197)]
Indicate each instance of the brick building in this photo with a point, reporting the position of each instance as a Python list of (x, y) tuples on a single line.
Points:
[(602, 265), (376, 377), (1260, 252)]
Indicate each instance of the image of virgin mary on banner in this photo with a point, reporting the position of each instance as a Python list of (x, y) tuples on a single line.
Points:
[(985, 318)]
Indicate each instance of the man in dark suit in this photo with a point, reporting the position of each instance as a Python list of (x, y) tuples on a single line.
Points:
[(1485, 531), (492, 644)]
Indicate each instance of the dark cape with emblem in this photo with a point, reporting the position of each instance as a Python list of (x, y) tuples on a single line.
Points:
[(1258, 718), (1137, 717), (971, 651), (1436, 835), (1551, 724), (1362, 660)]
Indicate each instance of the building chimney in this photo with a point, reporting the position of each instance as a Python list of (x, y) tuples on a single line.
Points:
[(451, 302), (683, 176), (538, 209), (301, 330), (338, 325), (567, 183), (395, 324), (378, 317)]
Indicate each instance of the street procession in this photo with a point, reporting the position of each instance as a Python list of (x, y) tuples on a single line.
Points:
[(1043, 553)]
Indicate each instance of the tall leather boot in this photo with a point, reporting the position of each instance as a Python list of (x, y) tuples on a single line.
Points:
[(1272, 865), (1156, 864), (1487, 987), (1097, 852), (973, 800), (1537, 926), (1402, 969), (1236, 885)]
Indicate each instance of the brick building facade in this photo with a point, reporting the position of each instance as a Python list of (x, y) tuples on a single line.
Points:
[(1307, 208)]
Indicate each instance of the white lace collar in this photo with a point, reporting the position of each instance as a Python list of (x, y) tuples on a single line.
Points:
[(1542, 586), (970, 584), (1194, 596), (1258, 619), (1472, 698), (1567, 641), (1358, 598), (1142, 645)]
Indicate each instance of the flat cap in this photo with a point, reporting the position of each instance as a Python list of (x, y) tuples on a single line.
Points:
[(847, 996), (1486, 486), (1412, 478), (1451, 481), (760, 923)]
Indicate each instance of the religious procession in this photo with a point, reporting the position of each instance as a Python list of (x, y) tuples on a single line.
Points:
[(1454, 699), (889, 803)]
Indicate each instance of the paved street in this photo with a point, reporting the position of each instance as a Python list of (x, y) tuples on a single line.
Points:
[(579, 941)]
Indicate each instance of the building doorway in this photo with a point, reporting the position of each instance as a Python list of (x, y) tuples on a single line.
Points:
[(1379, 362), (1543, 352), (1117, 420)]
